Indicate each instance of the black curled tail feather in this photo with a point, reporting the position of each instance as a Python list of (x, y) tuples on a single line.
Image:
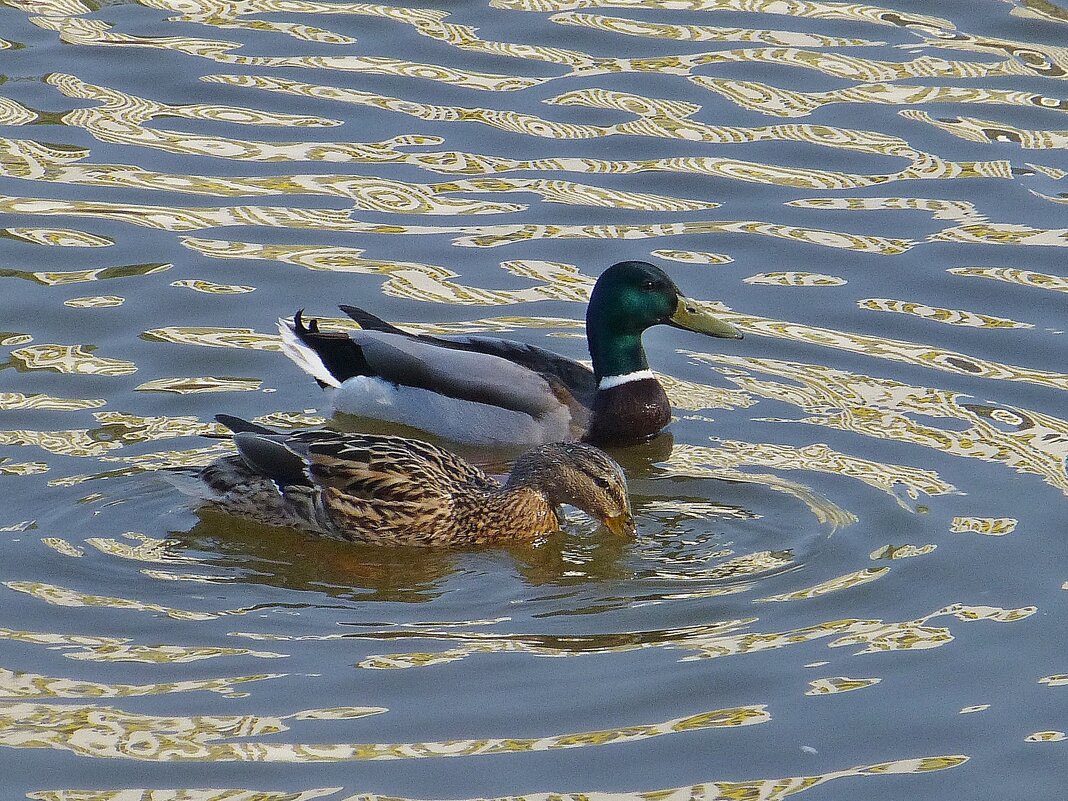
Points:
[(237, 424), (369, 322), (342, 357)]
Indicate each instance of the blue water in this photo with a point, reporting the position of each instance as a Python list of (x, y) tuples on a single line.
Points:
[(582, 633)]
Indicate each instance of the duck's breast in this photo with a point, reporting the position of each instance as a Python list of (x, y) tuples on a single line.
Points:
[(628, 413)]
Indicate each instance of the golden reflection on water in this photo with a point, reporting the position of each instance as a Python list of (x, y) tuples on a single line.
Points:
[(901, 551), (833, 585), (61, 546), (32, 685), (727, 638), (22, 468), (57, 237), (818, 457), (230, 794), (95, 302), (1015, 276), (1024, 440), (764, 789), (839, 684), (989, 526), (947, 316), (990, 131), (64, 596), (17, 400), (80, 276), (190, 386), (69, 359), (211, 288), (88, 648), (779, 102), (691, 256), (1046, 737), (100, 731), (794, 279)]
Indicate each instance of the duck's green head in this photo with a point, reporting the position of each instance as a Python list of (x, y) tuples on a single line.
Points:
[(628, 298)]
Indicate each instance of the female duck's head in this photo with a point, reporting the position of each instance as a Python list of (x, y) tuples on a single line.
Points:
[(628, 298), (578, 475)]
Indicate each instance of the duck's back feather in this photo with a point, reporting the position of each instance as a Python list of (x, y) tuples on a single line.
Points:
[(387, 467), (574, 377), (359, 486), (522, 392), (458, 373), (451, 418)]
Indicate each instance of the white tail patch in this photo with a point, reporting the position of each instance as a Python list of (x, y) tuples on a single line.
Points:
[(303, 356)]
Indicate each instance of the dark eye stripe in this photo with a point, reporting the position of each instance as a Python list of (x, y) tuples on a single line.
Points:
[(595, 469), (594, 464)]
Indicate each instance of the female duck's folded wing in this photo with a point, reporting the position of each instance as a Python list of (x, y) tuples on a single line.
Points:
[(236, 424), (390, 468), (359, 464), (266, 452), (273, 457)]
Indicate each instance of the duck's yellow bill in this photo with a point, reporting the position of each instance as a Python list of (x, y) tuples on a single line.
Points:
[(621, 525), (689, 315)]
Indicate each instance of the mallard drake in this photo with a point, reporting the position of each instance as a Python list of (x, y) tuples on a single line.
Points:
[(396, 491), (495, 391)]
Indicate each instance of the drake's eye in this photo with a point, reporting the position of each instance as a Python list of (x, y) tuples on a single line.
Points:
[(649, 286)]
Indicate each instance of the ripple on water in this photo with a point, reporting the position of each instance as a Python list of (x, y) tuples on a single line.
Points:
[(853, 505)]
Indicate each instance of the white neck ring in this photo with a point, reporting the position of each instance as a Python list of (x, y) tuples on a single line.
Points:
[(610, 381)]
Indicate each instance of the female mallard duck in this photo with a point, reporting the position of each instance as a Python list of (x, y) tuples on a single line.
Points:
[(488, 390), (395, 491)]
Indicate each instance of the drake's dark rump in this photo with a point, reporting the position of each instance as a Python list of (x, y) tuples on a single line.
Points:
[(630, 413), (341, 357)]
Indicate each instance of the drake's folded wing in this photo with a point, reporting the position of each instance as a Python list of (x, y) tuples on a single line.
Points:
[(464, 374), (576, 378)]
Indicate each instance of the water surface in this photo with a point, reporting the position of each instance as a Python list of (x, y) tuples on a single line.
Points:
[(850, 576)]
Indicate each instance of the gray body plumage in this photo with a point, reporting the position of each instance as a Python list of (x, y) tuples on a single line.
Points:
[(464, 388)]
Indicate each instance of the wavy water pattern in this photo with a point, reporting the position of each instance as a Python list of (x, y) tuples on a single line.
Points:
[(846, 503)]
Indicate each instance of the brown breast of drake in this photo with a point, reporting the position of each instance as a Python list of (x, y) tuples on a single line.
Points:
[(628, 413)]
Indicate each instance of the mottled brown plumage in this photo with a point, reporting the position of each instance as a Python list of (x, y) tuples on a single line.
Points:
[(397, 491)]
